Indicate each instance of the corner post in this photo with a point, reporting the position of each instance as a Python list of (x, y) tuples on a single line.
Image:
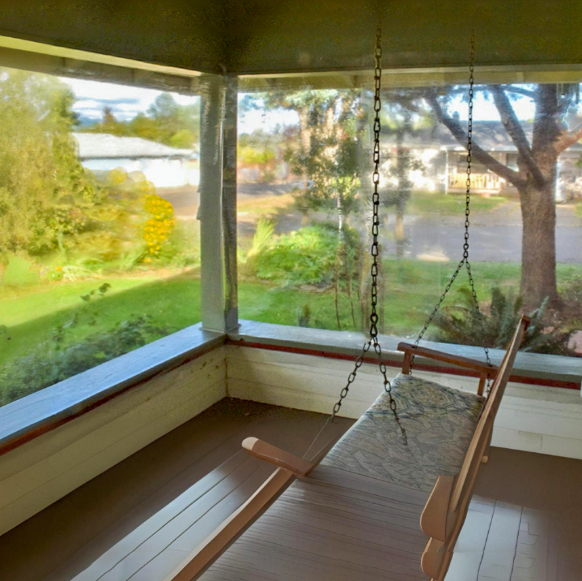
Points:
[(210, 209), (229, 196)]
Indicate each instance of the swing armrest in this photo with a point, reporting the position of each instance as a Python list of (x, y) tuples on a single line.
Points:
[(268, 453), (409, 350)]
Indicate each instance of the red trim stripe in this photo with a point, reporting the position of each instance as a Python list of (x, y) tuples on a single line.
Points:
[(24, 438), (28, 436), (393, 363)]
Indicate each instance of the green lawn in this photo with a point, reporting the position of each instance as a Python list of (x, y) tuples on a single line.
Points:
[(29, 314), (422, 203), (413, 288)]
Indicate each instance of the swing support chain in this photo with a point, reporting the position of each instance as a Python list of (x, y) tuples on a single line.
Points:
[(464, 262), (375, 252)]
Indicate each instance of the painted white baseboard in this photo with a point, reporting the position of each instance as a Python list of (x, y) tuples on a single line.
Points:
[(40, 472)]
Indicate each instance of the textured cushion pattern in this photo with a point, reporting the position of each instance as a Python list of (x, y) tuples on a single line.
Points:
[(356, 517), (439, 423)]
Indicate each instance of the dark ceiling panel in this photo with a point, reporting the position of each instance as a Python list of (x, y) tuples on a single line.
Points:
[(181, 33), (328, 34), (304, 35)]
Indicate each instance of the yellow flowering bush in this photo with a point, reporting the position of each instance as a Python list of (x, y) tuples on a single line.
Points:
[(116, 176), (157, 229)]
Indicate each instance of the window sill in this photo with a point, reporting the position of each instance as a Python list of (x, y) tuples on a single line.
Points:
[(529, 368), (26, 418)]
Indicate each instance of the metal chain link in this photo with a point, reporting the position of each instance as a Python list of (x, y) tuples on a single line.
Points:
[(465, 259), (375, 252)]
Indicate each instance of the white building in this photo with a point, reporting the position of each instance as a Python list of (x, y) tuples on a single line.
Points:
[(444, 161), (160, 164)]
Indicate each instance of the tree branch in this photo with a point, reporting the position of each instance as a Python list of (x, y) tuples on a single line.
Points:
[(568, 138), (518, 91), (462, 90), (480, 154), (517, 134)]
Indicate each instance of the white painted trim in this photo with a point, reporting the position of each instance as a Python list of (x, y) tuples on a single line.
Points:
[(210, 210), (40, 472), (65, 62), (13, 43), (534, 366)]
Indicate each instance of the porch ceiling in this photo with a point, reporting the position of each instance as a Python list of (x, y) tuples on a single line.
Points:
[(260, 36)]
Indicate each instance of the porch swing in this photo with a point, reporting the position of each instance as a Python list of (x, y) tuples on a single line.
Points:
[(352, 511)]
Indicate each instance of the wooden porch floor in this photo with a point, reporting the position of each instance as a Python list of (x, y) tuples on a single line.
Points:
[(524, 524)]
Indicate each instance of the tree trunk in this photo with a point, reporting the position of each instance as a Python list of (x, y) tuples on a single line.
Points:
[(538, 252), (535, 181)]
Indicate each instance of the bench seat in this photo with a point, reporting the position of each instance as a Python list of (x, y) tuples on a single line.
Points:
[(439, 423), (356, 516)]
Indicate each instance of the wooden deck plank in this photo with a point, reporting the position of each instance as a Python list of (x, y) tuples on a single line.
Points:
[(343, 533), (57, 545), (153, 556), (139, 537), (252, 561), (118, 502), (501, 544)]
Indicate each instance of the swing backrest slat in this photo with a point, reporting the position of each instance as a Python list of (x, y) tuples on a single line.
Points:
[(480, 440), (442, 524)]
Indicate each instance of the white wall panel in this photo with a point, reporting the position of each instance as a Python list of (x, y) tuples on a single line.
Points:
[(44, 470), (532, 418)]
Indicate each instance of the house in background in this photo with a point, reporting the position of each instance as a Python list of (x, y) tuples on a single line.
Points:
[(444, 161), (163, 166)]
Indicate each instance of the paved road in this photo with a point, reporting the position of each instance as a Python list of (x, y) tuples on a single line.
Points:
[(266, 189), (495, 236)]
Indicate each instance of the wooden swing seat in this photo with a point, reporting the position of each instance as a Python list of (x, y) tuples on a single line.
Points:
[(365, 511)]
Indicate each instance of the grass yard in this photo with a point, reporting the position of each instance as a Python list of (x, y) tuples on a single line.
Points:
[(29, 315), (412, 290), (422, 203)]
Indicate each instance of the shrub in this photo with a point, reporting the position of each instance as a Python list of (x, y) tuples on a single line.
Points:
[(182, 247), (308, 256), (460, 324), (54, 361), (262, 239)]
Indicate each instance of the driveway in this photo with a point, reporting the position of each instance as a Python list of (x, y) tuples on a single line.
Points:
[(495, 236)]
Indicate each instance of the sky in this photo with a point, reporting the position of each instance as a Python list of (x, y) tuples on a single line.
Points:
[(127, 101)]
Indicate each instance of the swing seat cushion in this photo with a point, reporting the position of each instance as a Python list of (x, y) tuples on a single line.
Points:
[(357, 515), (439, 423)]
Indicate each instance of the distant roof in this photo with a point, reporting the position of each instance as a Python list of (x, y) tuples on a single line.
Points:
[(107, 146), (490, 135)]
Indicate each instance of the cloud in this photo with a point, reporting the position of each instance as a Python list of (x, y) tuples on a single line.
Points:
[(125, 101)]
